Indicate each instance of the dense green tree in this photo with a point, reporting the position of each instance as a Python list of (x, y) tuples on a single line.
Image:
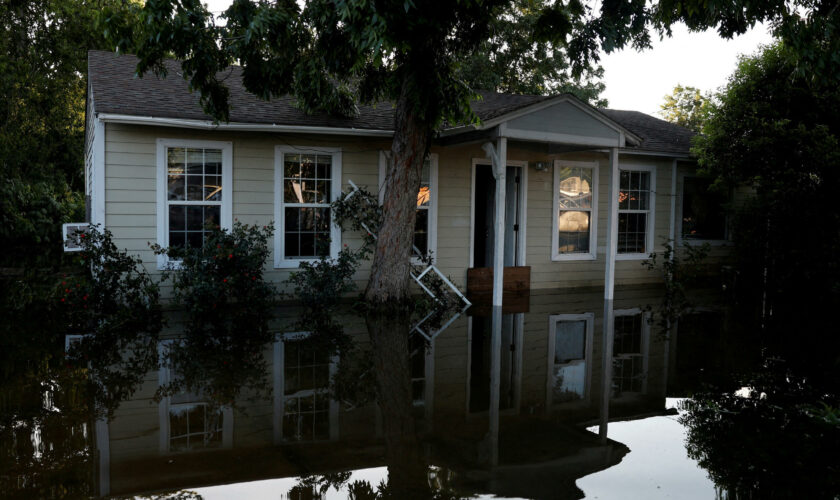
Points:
[(779, 134), (511, 60), (687, 106), (43, 67)]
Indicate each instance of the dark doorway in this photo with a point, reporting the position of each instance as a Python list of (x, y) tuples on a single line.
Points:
[(485, 209)]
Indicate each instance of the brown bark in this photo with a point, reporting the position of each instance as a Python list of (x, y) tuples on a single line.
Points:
[(389, 275)]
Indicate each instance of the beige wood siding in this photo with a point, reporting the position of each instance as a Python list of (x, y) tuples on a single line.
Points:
[(130, 173)]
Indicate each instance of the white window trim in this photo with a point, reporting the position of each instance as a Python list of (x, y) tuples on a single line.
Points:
[(651, 224), (590, 336), (556, 256), (278, 384), (433, 200), (226, 212), (645, 345), (679, 217), (279, 204), (164, 377)]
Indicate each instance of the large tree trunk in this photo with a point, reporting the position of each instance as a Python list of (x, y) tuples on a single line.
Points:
[(389, 275)]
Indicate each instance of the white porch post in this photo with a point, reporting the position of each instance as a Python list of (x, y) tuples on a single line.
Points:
[(498, 157), (609, 292)]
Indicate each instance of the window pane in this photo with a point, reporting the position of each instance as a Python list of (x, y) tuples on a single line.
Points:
[(195, 161), (324, 168), (573, 231), (195, 187), (575, 188), (307, 166), (632, 232), (213, 188), (569, 341), (213, 161), (292, 191)]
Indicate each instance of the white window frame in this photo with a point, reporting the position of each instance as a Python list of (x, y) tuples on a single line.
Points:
[(553, 319), (644, 345), (162, 201), (556, 256), (679, 216), (164, 377), (279, 385), (651, 223), (433, 201), (279, 204)]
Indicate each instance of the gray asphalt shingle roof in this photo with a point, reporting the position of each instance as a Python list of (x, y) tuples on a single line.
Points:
[(116, 90)]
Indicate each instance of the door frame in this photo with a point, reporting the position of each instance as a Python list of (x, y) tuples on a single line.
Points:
[(521, 208)]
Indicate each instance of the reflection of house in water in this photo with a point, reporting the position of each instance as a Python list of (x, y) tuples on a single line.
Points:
[(504, 402)]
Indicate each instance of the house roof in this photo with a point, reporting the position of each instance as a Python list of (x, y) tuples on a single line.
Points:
[(115, 90)]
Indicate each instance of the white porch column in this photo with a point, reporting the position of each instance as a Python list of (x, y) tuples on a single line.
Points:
[(612, 227), (498, 157), (609, 292)]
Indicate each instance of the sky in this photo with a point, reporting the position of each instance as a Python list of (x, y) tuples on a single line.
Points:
[(640, 80)]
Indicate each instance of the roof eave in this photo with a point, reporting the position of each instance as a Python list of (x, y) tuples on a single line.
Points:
[(239, 126)]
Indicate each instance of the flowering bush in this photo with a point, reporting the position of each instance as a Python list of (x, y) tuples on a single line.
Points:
[(227, 307)]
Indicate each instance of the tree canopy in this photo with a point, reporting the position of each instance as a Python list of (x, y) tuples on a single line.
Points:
[(687, 106), (779, 134), (43, 67)]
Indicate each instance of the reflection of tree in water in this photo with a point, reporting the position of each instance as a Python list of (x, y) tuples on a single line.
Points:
[(50, 398), (778, 439)]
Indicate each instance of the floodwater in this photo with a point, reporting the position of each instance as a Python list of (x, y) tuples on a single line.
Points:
[(554, 395)]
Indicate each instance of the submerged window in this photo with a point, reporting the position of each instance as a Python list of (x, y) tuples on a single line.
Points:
[(635, 202), (417, 360), (703, 214), (629, 353), (569, 348), (194, 425), (306, 403), (575, 210), (307, 182)]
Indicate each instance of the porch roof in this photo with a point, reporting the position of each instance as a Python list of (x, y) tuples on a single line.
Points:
[(119, 96)]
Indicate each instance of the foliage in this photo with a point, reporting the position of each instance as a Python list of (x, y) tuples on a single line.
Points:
[(43, 68), (227, 305), (737, 438), (358, 211), (688, 107), (779, 135), (115, 306), (680, 270), (510, 60)]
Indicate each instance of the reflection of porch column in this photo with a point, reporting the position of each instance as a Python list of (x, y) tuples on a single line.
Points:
[(609, 291), (498, 157)]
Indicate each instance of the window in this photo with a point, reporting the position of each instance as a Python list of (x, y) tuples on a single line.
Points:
[(425, 225), (194, 425), (703, 214), (570, 349), (190, 421), (575, 210), (630, 352), (306, 182), (194, 191), (302, 373), (635, 212)]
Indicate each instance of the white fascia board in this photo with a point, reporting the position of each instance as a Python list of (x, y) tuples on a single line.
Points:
[(238, 127), (594, 113), (663, 154)]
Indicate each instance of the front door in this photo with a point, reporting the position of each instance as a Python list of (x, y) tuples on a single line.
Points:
[(484, 212)]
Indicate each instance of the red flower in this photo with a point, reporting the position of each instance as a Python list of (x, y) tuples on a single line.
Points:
[(224, 280), (230, 256), (62, 299)]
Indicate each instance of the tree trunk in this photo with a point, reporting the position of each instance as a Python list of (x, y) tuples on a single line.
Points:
[(391, 362), (389, 274)]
